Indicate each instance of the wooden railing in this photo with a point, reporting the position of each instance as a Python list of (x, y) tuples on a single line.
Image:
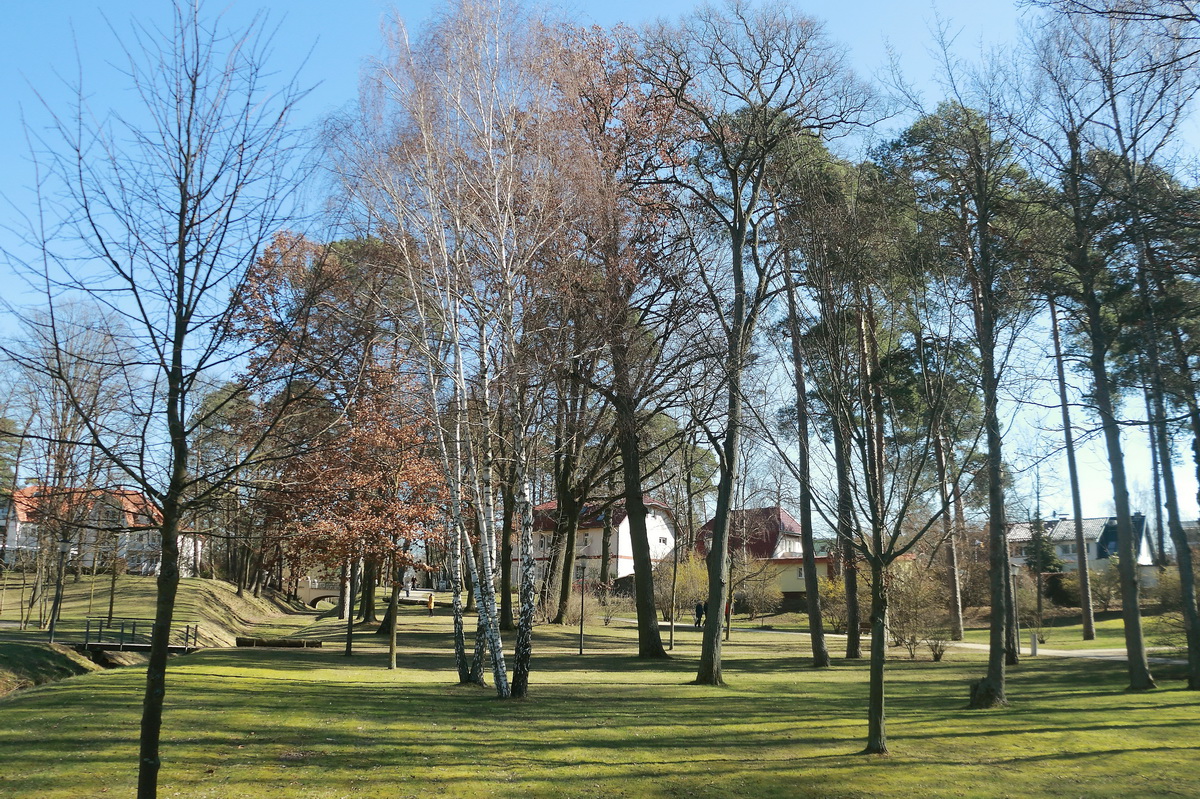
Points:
[(136, 633)]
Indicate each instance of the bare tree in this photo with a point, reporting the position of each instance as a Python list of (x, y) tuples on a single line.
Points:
[(157, 219), (744, 80), (451, 160)]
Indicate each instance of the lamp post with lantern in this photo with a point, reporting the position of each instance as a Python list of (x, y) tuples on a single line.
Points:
[(64, 547)]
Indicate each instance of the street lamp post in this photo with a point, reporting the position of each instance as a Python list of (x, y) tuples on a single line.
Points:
[(64, 546), (580, 570)]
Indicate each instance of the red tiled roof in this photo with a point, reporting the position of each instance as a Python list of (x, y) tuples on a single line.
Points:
[(28, 501), (756, 529)]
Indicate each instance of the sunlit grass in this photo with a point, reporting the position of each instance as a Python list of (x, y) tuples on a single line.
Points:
[(1066, 632), (212, 604), (312, 723)]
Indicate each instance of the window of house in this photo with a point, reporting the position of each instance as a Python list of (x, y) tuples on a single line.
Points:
[(587, 541), (800, 572), (1068, 549), (662, 541)]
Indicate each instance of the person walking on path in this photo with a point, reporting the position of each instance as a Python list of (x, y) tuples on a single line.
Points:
[(429, 603), (699, 613)]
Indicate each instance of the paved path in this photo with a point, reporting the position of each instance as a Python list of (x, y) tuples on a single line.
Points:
[(1089, 654)]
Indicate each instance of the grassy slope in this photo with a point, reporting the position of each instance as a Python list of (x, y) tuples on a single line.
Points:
[(262, 723), (24, 664), (26, 659)]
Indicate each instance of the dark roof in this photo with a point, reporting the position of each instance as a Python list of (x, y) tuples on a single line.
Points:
[(591, 515), (1097, 528), (760, 531), (1192, 531)]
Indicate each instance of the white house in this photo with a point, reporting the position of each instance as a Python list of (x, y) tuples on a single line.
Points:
[(98, 522), (1099, 534), (589, 539)]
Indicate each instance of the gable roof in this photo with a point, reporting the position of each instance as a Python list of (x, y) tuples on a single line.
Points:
[(29, 502), (1102, 529), (591, 515), (762, 532)]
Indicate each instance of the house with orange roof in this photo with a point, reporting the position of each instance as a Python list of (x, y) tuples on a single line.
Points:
[(98, 523)]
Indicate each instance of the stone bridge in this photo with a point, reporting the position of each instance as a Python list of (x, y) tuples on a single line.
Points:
[(311, 591)]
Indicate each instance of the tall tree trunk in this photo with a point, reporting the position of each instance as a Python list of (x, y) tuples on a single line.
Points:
[(1140, 678), (738, 343), (524, 644), (393, 613), (1012, 627), (456, 590), (351, 596), (816, 626), (990, 691), (952, 575), (568, 522), (1161, 443), (485, 602), (876, 711), (160, 639), (508, 508), (606, 548), (1156, 478), (343, 601), (553, 579), (370, 579), (649, 639), (1081, 546), (941, 462), (845, 515), (1183, 552)]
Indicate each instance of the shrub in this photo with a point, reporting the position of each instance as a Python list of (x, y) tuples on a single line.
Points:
[(1106, 585), (917, 607), (592, 609), (1167, 592), (691, 585), (1068, 591), (761, 595), (833, 603), (937, 640)]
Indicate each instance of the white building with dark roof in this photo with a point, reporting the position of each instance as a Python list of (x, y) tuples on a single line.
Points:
[(1099, 535)]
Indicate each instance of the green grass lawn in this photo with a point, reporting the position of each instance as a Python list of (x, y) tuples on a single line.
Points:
[(27, 659), (213, 604), (1066, 632), (312, 723)]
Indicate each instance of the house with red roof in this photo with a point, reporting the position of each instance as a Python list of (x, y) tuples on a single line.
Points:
[(771, 535), (99, 523)]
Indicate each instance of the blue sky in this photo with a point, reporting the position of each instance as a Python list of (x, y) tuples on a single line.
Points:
[(47, 40), (53, 44), (339, 36)]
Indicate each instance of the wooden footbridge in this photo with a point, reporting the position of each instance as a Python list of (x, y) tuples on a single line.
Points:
[(102, 634)]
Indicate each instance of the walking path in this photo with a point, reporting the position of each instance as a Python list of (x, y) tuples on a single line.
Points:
[(1090, 654)]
